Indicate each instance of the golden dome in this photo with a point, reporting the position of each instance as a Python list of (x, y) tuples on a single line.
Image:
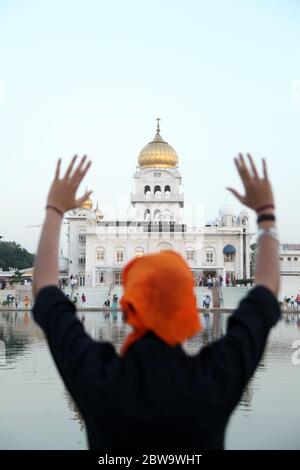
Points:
[(158, 153), (87, 204)]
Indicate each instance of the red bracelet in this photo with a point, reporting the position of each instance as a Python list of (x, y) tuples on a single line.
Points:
[(267, 206)]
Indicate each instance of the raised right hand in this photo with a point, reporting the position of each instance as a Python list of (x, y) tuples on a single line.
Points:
[(62, 194), (258, 191)]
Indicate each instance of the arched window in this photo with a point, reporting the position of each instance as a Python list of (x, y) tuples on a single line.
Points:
[(81, 258), (147, 214), (100, 253), (157, 215), (281, 259), (120, 254), (81, 237), (81, 279), (147, 189), (190, 254), (167, 215), (229, 252), (164, 246), (209, 258), (157, 189), (295, 259), (209, 255), (99, 276), (289, 259), (139, 251), (167, 189), (118, 278)]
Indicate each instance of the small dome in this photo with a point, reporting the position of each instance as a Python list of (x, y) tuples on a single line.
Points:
[(244, 213), (98, 213), (87, 204), (158, 153), (227, 210)]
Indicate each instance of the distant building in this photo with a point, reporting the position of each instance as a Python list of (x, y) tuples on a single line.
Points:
[(289, 256)]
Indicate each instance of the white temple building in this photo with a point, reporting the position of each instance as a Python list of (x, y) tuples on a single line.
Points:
[(98, 247)]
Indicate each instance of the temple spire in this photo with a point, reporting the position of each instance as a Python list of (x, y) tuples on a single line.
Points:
[(158, 125)]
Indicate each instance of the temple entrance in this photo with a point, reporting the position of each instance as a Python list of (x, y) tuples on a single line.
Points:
[(117, 278), (81, 280), (230, 279), (205, 276)]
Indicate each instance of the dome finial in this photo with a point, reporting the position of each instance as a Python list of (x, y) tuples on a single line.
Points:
[(158, 126)]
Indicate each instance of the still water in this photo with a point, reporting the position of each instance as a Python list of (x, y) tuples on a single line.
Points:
[(36, 411)]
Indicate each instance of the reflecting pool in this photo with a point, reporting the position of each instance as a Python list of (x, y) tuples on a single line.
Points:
[(38, 413)]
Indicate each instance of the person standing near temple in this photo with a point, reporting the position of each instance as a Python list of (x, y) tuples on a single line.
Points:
[(207, 301), (114, 307), (26, 301)]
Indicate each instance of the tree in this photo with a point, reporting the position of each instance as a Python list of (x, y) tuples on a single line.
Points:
[(16, 278), (13, 255)]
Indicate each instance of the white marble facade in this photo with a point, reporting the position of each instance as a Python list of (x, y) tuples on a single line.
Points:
[(98, 248)]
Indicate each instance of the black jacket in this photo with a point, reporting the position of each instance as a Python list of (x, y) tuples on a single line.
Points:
[(156, 397)]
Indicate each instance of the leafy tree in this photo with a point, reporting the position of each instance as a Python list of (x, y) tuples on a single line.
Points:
[(253, 259), (16, 278), (13, 255)]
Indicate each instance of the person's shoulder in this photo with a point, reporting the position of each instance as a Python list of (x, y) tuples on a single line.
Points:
[(49, 299), (50, 291), (260, 300)]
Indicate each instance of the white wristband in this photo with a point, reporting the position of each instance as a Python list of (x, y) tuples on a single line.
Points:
[(270, 232)]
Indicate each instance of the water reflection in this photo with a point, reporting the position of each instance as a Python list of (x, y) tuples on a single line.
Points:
[(36, 399)]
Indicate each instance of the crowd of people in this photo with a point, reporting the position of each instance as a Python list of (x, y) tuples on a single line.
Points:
[(215, 281), (111, 307), (14, 301), (291, 303), (8, 284)]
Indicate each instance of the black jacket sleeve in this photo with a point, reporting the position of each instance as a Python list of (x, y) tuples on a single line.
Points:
[(80, 360), (230, 362)]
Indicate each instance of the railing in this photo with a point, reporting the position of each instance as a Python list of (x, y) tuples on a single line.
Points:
[(157, 197), (287, 269), (110, 288), (221, 295)]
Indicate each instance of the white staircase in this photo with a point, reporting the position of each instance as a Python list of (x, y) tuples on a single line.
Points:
[(96, 296), (233, 295), (200, 293)]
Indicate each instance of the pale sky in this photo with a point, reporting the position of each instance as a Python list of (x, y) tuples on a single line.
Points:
[(91, 77)]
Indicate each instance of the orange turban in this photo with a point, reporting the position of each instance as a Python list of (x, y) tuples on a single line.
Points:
[(159, 297)]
